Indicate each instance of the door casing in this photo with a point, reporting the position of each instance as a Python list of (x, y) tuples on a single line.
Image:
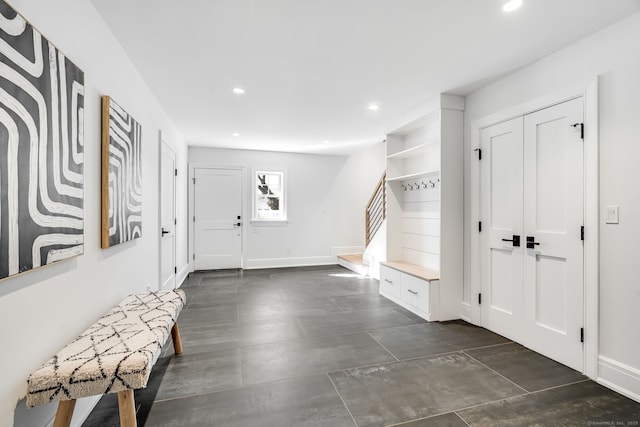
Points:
[(588, 90), (164, 147)]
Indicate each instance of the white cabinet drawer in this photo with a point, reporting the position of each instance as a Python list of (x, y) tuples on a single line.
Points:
[(415, 292), (390, 280)]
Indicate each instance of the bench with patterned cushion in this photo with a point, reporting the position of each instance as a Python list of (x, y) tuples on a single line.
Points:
[(115, 355)]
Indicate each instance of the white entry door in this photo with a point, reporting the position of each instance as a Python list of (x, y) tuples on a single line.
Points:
[(218, 221), (532, 188), (167, 217)]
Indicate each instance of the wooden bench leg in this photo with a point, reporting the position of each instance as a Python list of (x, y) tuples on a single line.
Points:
[(175, 336), (127, 408), (64, 413)]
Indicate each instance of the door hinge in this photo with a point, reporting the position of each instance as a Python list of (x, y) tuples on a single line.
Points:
[(479, 299), (175, 172), (194, 256), (175, 221), (479, 150), (479, 226), (175, 270), (194, 218), (581, 334), (582, 233), (575, 125), (194, 181)]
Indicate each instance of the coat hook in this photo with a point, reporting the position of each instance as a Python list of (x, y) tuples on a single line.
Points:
[(431, 184), (404, 188), (424, 185)]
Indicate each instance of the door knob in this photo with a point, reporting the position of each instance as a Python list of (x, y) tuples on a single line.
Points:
[(531, 243), (238, 224), (515, 240)]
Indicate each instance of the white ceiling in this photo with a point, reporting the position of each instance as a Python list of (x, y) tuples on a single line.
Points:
[(311, 67)]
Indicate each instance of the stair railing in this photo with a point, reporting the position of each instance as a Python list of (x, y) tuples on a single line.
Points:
[(376, 211)]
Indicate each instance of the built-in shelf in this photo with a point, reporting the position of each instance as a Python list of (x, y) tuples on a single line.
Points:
[(425, 221), (409, 152), (412, 175)]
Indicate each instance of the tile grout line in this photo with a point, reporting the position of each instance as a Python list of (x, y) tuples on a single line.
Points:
[(460, 416), (518, 395), (488, 346), (495, 372), (223, 390), (426, 418), (562, 385), (385, 348), (341, 399)]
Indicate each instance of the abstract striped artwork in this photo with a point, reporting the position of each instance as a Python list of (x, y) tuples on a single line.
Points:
[(41, 149), (121, 175)]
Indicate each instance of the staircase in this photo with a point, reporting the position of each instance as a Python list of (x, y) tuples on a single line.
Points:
[(376, 211), (375, 249)]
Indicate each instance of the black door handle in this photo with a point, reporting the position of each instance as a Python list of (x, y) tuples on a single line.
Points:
[(165, 232), (531, 243), (238, 224), (515, 240)]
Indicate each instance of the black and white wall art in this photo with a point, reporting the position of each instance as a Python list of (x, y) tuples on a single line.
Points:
[(41, 149), (121, 175)]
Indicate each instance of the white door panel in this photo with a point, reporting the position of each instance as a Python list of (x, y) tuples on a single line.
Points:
[(218, 225), (502, 219), (553, 206)]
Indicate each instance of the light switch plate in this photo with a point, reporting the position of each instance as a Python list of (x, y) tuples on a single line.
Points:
[(611, 214)]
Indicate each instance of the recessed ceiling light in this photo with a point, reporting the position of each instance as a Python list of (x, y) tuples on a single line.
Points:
[(238, 90), (325, 142), (373, 107), (236, 134), (512, 5)]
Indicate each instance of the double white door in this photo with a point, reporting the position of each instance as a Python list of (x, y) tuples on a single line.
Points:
[(531, 242)]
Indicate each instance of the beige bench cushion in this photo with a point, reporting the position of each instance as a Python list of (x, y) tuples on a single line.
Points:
[(116, 353)]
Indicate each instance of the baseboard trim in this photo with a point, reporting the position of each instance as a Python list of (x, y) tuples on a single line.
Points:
[(619, 377), (465, 312), (252, 264), (182, 275)]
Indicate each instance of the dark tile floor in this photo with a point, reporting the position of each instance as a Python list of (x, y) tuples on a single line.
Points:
[(319, 347)]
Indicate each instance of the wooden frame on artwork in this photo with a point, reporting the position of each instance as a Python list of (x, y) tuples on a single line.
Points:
[(41, 149), (121, 210)]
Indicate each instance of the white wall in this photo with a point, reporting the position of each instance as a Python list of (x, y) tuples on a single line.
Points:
[(327, 197), (44, 309), (613, 54)]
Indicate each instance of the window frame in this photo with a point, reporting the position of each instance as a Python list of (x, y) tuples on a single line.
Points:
[(255, 195)]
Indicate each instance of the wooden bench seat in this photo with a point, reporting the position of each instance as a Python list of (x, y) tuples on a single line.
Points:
[(115, 355), (418, 271)]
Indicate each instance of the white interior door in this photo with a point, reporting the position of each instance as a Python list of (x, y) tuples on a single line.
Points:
[(218, 221), (532, 188), (502, 208), (167, 217), (553, 217)]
